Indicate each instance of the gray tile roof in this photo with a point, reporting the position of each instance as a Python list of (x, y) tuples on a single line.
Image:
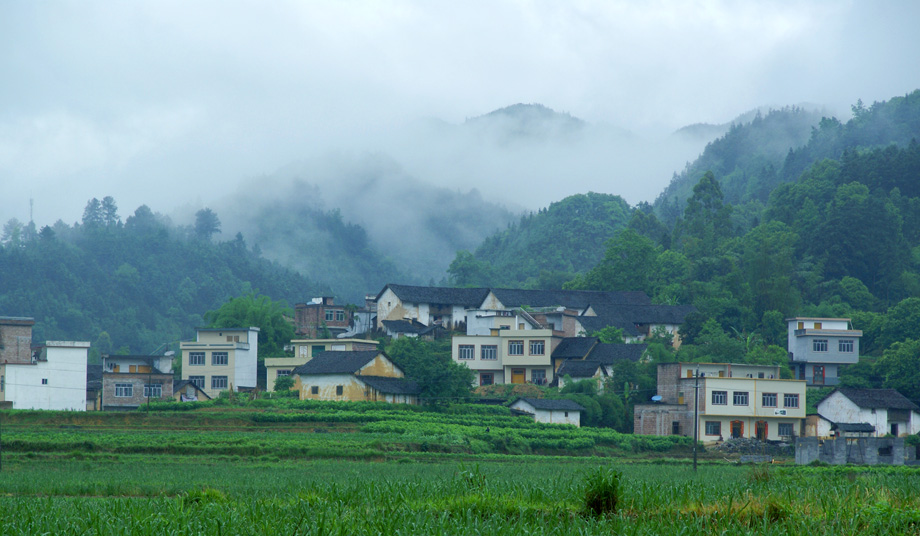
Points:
[(467, 297), (876, 398), (396, 386), (404, 326), (576, 299), (574, 347), (551, 404), (855, 427), (607, 354), (597, 323), (576, 368), (337, 362)]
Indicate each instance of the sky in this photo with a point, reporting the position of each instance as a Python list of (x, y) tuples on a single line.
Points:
[(178, 103)]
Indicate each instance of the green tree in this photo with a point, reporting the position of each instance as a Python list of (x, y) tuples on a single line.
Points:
[(206, 224), (900, 366), (430, 364), (467, 271), (628, 264), (275, 331)]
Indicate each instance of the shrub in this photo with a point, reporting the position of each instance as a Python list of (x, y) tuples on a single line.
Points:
[(602, 491)]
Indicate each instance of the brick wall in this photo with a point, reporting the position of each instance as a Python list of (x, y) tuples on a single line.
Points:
[(138, 381), (16, 341), (309, 319)]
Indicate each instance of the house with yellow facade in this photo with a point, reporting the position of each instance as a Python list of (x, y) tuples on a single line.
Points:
[(728, 400), (354, 376), (306, 349), (221, 359)]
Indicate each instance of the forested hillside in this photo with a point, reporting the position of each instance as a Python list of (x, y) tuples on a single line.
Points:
[(545, 248), (134, 285)]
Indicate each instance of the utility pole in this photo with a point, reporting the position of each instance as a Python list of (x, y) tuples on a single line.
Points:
[(696, 414)]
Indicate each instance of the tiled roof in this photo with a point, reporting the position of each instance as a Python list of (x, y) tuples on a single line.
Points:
[(576, 299), (577, 368), (179, 384), (549, 405), (597, 323), (396, 386), (337, 362), (877, 398), (574, 347), (856, 427), (467, 297), (607, 354), (404, 326)]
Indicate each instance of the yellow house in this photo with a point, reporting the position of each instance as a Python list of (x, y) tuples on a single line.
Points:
[(304, 350), (508, 355), (363, 375)]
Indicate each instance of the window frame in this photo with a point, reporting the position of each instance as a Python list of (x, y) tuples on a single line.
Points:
[(329, 315), (718, 428), (741, 398), (216, 380), (339, 390), (538, 381), (196, 359), (283, 372), (314, 389), (514, 344), (484, 376), (124, 390), (538, 344), (780, 426), (340, 316), (197, 381), (225, 358), (466, 352), (493, 351), (846, 346), (818, 344), (153, 390), (723, 395), (794, 397), (764, 401)]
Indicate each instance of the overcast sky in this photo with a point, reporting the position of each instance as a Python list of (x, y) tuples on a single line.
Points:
[(166, 103)]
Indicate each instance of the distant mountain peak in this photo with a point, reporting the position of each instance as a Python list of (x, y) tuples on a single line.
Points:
[(528, 121)]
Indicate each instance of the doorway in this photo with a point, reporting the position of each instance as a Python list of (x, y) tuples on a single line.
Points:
[(517, 375), (760, 430), (818, 375), (737, 429)]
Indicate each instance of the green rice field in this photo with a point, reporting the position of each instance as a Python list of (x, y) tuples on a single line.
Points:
[(228, 473)]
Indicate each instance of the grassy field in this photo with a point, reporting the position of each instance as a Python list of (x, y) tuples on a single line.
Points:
[(228, 472)]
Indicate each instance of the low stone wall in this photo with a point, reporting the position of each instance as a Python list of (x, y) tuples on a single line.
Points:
[(863, 450)]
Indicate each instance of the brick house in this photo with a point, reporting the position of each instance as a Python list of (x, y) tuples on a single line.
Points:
[(311, 318), (129, 381)]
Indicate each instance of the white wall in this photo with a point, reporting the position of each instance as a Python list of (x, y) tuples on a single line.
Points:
[(65, 372), (246, 362)]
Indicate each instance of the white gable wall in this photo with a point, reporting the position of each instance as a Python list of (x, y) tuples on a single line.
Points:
[(56, 384)]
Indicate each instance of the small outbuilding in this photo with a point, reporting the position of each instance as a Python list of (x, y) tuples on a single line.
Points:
[(550, 411)]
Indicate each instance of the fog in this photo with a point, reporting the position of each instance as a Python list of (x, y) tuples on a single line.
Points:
[(186, 104)]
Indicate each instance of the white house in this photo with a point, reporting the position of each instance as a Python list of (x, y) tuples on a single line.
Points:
[(550, 411), (221, 359), (54, 379), (887, 410)]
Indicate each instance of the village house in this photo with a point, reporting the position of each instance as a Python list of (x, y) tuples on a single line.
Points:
[(550, 411), (221, 359), (358, 375), (321, 316), (734, 400), (306, 349), (129, 381), (48, 376), (820, 347), (507, 356), (876, 412)]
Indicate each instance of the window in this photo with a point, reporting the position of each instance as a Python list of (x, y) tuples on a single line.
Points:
[(44, 381), (769, 400), (219, 358), (153, 390), (340, 316), (845, 346), (719, 398), (515, 347), (713, 428), (740, 398), (785, 429), (218, 382), (791, 400), (339, 390), (124, 390), (537, 347), (197, 381), (486, 378), (2, 383), (488, 352), (330, 316), (196, 358), (284, 372), (819, 345), (314, 389), (538, 377), (818, 325), (467, 351), (317, 349), (675, 427)]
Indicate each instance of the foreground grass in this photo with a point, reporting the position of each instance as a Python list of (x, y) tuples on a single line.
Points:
[(156, 494)]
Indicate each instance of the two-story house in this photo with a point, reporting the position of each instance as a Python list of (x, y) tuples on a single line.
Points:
[(819, 347), (508, 355), (129, 381), (728, 401), (306, 349), (310, 319), (357, 375), (221, 359)]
